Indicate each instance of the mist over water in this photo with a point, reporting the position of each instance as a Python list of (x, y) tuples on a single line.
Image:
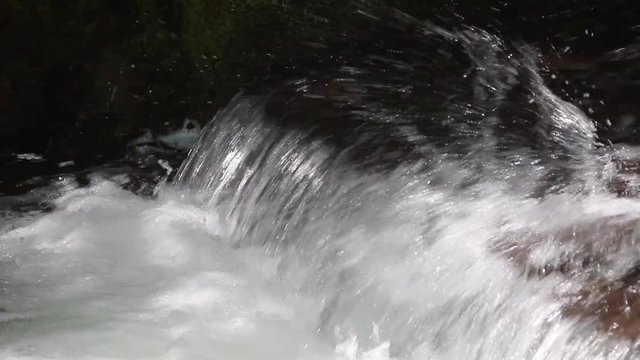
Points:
[(388, 240)]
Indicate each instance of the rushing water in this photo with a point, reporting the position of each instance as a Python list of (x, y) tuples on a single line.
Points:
[(467, 239)]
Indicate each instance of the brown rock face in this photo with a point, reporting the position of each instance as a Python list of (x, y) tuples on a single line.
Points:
[(616, 305), (584, 252)]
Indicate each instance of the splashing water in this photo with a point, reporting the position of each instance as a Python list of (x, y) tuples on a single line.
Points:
[(276, 242)]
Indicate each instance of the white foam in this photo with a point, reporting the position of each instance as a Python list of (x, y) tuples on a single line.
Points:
[(110, 275), (29, 157), (183, 138)]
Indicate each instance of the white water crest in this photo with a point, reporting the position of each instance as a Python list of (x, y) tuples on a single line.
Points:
[(109, 275), (275, 243)]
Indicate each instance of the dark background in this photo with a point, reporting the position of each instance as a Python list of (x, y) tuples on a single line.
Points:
[(79, 79)]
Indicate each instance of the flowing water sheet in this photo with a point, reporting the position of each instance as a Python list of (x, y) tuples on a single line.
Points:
[(283, 242)]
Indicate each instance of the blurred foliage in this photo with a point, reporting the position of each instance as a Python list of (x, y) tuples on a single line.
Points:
[(111, 68), (69, 65)]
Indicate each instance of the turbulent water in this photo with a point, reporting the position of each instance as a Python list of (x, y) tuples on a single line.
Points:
[(283, 242)]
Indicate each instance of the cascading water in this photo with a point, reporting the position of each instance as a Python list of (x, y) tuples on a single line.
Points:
[(286, 242)]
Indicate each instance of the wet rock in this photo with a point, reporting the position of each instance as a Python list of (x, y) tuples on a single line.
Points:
[(614, 304), (583, 253)]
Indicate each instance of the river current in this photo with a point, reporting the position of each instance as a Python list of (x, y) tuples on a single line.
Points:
[(470, 232)]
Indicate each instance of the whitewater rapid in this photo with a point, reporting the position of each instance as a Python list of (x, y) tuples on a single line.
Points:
[(110, 275), (361, 222), (361, 267)]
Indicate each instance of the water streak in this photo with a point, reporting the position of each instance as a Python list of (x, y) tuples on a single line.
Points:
[(367, 240)]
